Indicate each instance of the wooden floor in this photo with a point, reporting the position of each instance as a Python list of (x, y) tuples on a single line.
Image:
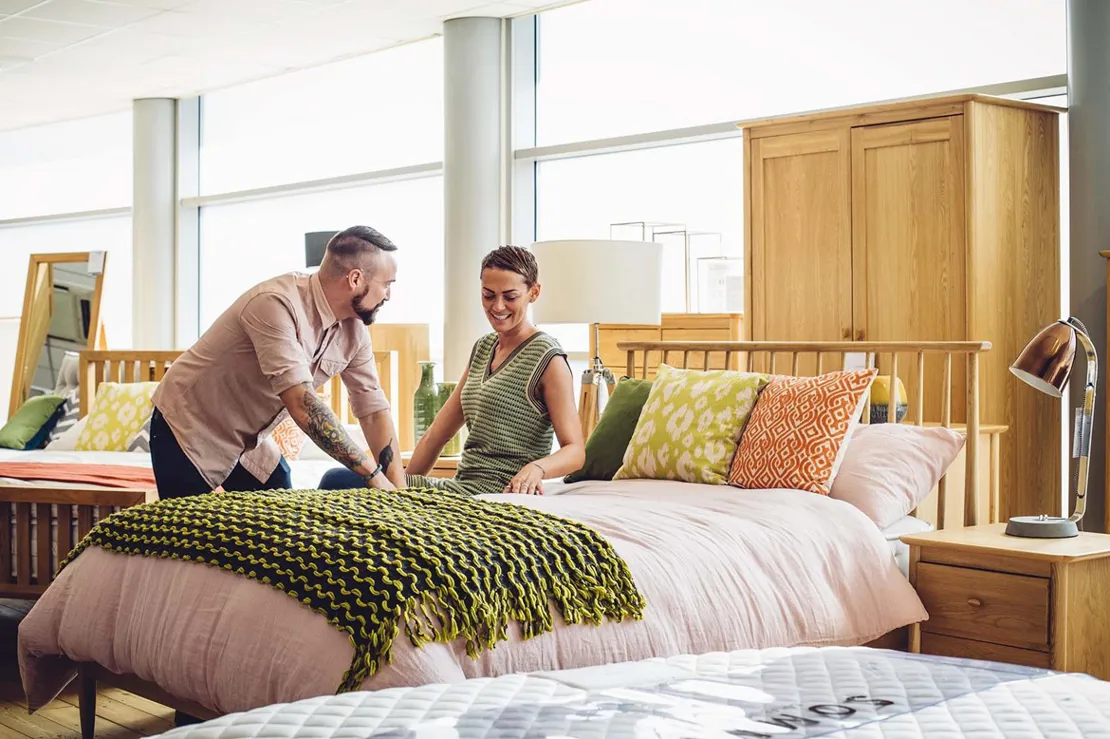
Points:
[(119, 715)]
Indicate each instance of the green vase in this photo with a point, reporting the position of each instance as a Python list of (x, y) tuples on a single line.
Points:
[(425, 401), (453, 448)]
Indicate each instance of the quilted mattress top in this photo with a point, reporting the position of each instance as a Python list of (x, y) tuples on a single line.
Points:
[(849, 692)]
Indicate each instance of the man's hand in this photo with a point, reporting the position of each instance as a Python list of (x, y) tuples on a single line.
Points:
[(382, 436), (316, 419)]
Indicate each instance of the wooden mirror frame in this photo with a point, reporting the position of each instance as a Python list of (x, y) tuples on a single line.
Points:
[(96, 338)]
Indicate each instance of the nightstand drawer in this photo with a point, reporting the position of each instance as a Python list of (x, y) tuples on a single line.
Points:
[(954, 646), (994, 607)]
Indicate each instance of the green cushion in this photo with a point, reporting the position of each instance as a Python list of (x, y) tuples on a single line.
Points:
[(27, 423), (606, 445)]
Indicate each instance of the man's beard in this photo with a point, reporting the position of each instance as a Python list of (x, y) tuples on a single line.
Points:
[(366, 316)]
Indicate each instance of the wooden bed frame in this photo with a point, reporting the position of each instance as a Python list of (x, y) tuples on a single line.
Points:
[(701, 355), (811, 358), (34, 503)]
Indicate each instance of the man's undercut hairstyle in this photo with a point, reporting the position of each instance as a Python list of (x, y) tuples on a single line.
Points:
[(350, 248), (514, 259)]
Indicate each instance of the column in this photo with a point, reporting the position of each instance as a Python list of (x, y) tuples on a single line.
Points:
[(472, 176), (153, 210), (1089, 159)]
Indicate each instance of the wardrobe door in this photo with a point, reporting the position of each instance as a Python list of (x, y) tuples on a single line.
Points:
[(800, 239), (909, 244)]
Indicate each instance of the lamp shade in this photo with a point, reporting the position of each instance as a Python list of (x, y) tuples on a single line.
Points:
[(596, 281), (1046, 361)]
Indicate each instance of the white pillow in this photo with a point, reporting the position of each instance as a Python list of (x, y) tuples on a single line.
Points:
[(890, 468), (67, 442)]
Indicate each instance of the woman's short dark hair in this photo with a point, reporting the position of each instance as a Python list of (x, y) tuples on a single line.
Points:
[(514, 259)]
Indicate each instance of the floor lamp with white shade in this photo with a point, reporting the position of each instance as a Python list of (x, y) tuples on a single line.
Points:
[(595, 281)]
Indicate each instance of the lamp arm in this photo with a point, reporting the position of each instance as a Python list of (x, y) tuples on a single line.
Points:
[(1086, 425)]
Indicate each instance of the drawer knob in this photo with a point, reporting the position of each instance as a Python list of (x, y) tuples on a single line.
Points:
[(974, 602)]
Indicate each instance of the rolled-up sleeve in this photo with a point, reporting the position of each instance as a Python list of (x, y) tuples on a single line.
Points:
[(268, 321), (363, 387)]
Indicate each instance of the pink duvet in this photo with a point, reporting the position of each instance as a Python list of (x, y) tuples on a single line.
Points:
[(721, 569)]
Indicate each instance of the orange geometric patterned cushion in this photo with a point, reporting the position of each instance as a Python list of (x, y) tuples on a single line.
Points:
[(289, 439), (797, 431)]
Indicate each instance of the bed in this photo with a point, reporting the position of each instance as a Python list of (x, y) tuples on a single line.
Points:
[(849, 693), (30, 553), (721, 568)]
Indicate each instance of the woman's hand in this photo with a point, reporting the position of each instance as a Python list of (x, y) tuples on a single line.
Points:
[(529, 481)]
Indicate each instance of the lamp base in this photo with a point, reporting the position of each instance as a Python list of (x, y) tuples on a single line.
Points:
[(1042, 527)]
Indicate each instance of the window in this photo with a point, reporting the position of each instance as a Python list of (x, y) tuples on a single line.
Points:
[(616, 67), (374, 112), (66, 167), (245, 243), (696, 185), (112, 235)]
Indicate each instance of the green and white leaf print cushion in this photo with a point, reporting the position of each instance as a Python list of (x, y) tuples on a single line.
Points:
[(690, 425)]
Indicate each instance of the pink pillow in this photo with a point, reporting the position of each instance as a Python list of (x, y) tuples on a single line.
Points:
[(889, 468)]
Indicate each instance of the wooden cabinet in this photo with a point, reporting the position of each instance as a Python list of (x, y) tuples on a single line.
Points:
[(1033, 602), (673, 327), (932, 219)]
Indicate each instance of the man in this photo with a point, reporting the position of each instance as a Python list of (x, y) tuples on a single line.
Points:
[(262, 361)]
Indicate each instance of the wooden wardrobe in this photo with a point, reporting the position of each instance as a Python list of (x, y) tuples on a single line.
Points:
[(931, 219)]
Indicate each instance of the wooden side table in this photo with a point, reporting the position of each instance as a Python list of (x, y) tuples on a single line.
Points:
[(1035, 602), (444, 466)]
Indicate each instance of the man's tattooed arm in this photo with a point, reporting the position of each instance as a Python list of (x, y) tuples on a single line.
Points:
[(319, 422)]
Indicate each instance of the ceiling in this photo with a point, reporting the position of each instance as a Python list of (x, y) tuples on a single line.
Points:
[(63, 59)]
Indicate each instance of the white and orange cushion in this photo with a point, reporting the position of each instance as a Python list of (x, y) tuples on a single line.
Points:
[(289, 439), (798, 431)]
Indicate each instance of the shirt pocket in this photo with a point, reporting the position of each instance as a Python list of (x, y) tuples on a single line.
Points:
[(330, 364)]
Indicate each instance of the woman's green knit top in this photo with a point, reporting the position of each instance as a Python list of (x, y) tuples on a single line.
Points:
[(507, 421)]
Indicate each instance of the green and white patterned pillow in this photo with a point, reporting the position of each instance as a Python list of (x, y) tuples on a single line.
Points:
[(690, 425)]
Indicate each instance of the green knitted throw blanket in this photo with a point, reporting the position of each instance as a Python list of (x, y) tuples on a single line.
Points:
[(440, 565)]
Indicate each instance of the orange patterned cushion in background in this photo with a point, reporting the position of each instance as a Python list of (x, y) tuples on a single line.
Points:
[(797, 431), (289, 439)]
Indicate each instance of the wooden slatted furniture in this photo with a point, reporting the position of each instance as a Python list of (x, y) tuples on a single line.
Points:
[(412, 343), (791, 358), (69, 511), (1033, 602), (935, 219)]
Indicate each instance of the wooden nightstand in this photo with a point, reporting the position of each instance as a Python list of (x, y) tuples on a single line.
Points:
[(1035, 602)]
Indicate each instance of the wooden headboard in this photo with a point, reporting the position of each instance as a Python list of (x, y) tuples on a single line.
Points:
[(151, 365), (120, 366), (805, 359)]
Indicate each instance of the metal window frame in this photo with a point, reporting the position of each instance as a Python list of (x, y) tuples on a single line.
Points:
[(76, 215), (1028, 89)]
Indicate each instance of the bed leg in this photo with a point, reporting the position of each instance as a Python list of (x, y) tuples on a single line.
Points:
[(87, 704)]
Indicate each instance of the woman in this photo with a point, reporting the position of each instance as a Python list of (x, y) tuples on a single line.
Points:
[(512, 397)]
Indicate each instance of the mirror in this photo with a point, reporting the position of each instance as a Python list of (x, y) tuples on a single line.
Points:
[(61, 314)]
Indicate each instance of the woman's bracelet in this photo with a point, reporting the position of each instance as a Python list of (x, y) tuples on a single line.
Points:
[(541, 469)]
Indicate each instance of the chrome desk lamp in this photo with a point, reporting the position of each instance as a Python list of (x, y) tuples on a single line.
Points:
[(1045, 363)]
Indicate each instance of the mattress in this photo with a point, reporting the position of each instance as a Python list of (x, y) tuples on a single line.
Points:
[(843, 692)]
